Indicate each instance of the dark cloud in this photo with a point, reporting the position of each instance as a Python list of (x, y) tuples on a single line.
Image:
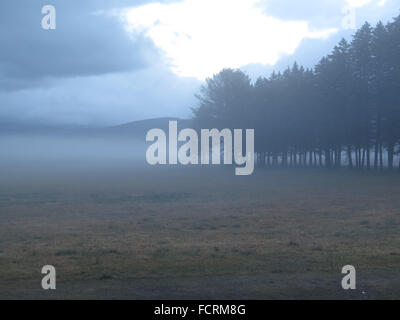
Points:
[(108, 99), (88, 71), (86, 42)]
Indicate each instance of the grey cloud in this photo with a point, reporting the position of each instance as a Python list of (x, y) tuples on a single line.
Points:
[(102, 99), (308, 54), (88, 71), (329, 13), (320, 13), (83, 44)]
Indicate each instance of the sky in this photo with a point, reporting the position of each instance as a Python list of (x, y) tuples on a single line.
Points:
[(112, 62)]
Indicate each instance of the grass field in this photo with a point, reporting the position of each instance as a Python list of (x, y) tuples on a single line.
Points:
[(153, 233)]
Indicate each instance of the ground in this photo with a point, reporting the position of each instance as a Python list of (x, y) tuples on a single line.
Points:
[(182, 233)]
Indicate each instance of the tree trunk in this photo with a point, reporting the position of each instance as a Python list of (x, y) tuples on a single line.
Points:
[(378, 136), (363, 159), (390, 155), (328, 158), (285, 158), (357, 158), (320, 158), (315, 159), (350, 156)]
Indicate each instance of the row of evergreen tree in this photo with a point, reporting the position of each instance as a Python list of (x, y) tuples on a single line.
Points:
[(343, 112)]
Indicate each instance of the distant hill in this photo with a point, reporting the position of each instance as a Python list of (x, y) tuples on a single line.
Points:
[(140, 128), (136, 129)]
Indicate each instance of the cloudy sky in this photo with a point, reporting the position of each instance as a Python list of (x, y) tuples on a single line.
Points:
[(111, 62)]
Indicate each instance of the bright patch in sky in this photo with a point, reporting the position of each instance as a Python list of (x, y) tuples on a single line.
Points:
[(358, 3), (362, 3), (201, 37)]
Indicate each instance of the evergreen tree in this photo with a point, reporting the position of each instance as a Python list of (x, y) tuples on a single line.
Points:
[(349, 102)]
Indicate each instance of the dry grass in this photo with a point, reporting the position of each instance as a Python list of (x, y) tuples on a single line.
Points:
[(182, 233)]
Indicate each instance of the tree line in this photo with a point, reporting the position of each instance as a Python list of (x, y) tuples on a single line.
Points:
[(343, 112)]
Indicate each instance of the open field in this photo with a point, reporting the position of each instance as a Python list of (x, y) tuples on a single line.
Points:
[(138, 233)]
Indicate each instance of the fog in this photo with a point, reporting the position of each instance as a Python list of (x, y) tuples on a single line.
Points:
[(35, 154)]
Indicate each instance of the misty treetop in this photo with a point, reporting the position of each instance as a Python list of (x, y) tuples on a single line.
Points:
[(344, 111)]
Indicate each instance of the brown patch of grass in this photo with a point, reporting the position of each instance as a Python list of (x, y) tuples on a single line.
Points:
[(205, 224)]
